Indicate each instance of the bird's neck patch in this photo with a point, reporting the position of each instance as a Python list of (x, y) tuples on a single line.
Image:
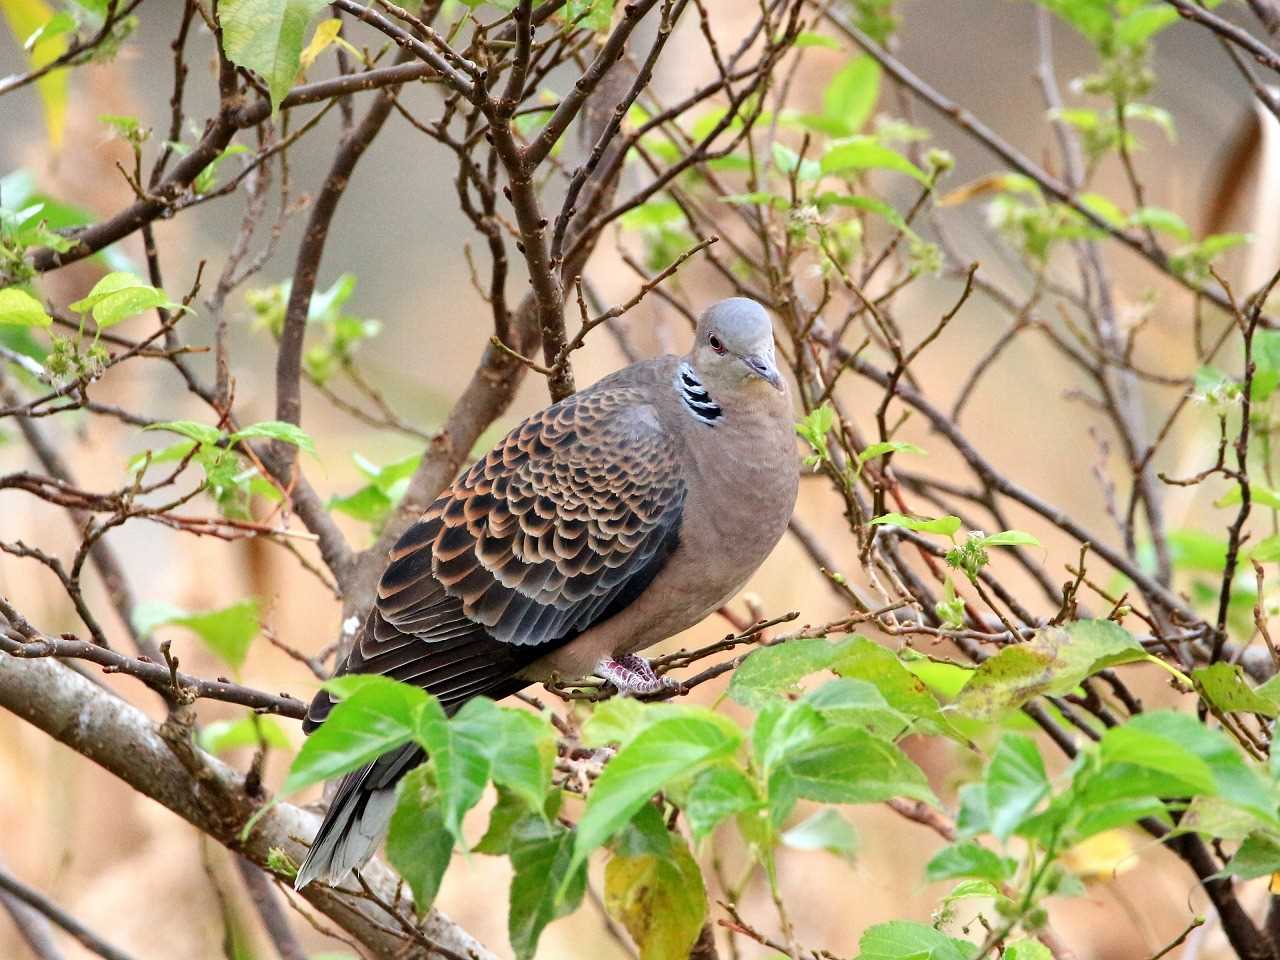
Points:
[(696, 399)]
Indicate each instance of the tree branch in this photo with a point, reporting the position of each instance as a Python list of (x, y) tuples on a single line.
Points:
[(980, 132), (37, 901), (232, 117), (162, 763)]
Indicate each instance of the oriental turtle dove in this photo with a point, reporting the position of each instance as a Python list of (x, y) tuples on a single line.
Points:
[(607, 522)]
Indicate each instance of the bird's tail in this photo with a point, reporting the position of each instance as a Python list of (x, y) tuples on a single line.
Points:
[(357, 818)]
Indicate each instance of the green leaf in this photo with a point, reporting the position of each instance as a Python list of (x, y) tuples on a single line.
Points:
[(863, 153), (521, 746), (974, 817), (126, 128), (653, 214), (905, 940), (788, 161), (368, 505), (589, 14), (266, 36), (459, 757), (419, 844), (1196, 550), (1266, 377), (1267, 550), (1026, 950), (1258, 494), (1233, 778), (807, 38), (645, 835), (825, 830), (863, 659), (1092, 820), (280, 863), (717, 793), (814, 428), (1158, 115), (207, 178), (1100, 205), (1215, 819), (1257, 856), (389, 476), (503, 819), (199, 432), (873, 450), (970, 859), (670, 749), (542, 854), (1016, 783), (1225, 686), (617, 720), (377, 715), (277, 430), (1010, 538), (781, 727), (1128, 747), (1141, 25), (119, 296), (941, 676), (1166, 221), (1170, 754), (761, 198), (859, 703), (870, 205), (19, 309), (1091, 17), (227, 633), (947, 526), (972, 889), (770, 672), (851, 96), (659, 899), (250, 730), (848, 765), (1055, 661), (1194, 259)]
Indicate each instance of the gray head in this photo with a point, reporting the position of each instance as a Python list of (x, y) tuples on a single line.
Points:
[(733, 346)]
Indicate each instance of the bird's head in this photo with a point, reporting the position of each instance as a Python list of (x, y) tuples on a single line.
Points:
[(733, 347)]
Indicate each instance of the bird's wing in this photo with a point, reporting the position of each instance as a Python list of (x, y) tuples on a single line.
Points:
[(560, 526)]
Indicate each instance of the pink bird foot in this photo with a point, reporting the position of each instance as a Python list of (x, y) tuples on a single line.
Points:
[(632, 675)]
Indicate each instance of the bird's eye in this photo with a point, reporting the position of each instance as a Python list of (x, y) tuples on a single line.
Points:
[(715, 343)]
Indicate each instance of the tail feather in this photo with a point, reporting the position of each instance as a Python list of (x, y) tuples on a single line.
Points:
[(361, 809), (357, 818)]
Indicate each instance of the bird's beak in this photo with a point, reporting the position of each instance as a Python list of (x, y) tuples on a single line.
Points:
[(764, 369)]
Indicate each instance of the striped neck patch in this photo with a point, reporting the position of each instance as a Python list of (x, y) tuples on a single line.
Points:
[(696, 399)]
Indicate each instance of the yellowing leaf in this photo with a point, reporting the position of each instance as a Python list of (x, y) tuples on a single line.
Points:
[(1054, 661), (326, 33), (1102, 856), (659, 899), (992, 183), (25, 17)]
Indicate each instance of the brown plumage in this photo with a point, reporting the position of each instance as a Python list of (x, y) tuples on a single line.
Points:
[(599, 526)]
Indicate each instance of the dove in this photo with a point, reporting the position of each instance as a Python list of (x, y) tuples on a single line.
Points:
[(601, 525)]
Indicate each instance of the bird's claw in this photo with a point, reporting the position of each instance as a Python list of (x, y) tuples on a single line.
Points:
[(633, 676)]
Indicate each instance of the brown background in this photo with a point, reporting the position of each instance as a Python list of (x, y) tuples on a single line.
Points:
[(147, 881)]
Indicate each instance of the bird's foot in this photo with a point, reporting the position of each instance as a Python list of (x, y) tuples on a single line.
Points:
[(632, 675)]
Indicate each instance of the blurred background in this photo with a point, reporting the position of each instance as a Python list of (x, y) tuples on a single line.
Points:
[(133, 870)]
